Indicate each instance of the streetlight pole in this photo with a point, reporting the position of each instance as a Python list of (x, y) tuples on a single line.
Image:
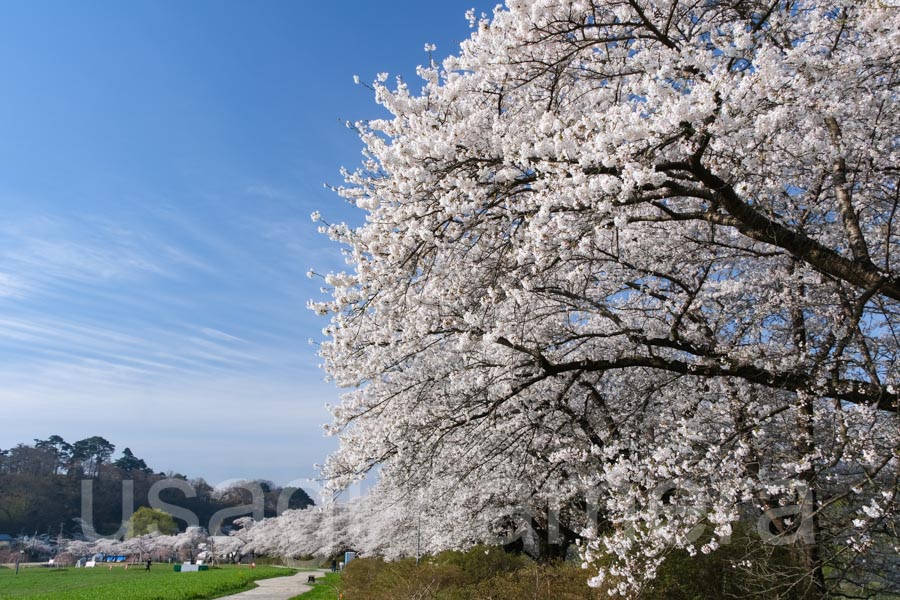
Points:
[(58, 542)]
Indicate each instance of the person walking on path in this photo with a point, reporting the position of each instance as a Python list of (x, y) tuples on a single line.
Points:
[(149, 562)]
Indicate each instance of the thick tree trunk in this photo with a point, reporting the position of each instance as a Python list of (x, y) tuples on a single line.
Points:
[(553, 540), (810, 528), (810, 551)]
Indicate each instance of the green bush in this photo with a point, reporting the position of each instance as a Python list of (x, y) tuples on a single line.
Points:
[(744, 568), (374, 579), (481, 562), (560, 581), (483, 573)]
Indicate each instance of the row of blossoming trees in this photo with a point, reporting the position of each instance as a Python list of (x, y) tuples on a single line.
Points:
[(630, 267), (193, 543), (364, 525)]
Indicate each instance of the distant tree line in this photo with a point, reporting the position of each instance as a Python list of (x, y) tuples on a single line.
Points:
[(41, 488)]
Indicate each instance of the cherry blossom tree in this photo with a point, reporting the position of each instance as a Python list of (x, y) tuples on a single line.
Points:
[(152, 545), (224, 547), (188, 542), (157, 546), (78, 548), (632, 264), (35, 546), (313, 531)]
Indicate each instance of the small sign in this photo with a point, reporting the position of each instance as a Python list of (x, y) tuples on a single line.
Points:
[(189, 568)]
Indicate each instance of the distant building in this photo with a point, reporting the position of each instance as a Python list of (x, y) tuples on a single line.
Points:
[(5, 540)]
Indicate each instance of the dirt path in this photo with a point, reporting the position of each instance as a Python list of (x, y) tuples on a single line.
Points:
[(280, 588)]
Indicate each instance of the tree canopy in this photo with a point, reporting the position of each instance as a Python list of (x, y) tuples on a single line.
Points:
[(149, 520), (634, 264), (91, 453), (129, 462)]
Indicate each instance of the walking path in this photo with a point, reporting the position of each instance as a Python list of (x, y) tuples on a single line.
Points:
[(280, 588)]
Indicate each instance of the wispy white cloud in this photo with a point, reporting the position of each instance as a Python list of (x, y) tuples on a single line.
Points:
[(42, 252), (12, 286), (157, 326), (220, 335), (150, 350), (270, 192)]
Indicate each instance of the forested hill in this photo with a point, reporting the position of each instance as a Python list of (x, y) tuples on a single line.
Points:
[(41, 489)]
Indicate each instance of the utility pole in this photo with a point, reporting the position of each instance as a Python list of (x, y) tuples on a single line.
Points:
[(19, 548), (59, 548)]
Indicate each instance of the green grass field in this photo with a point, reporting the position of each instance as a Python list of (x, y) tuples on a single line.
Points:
[(161, 583), (325, 588)]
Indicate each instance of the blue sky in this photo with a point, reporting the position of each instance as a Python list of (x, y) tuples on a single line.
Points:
[(158, 165)]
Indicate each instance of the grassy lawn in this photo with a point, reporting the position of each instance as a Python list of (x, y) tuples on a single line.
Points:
[(161, 583), (325, 588)]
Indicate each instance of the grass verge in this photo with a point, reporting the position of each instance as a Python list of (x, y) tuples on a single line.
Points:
[(325, 588), (161, 583)]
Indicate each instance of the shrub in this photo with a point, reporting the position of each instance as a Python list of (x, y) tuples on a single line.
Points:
[(559, 581), (481, 573), (744, 568), (374, 579), (482, 562)]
